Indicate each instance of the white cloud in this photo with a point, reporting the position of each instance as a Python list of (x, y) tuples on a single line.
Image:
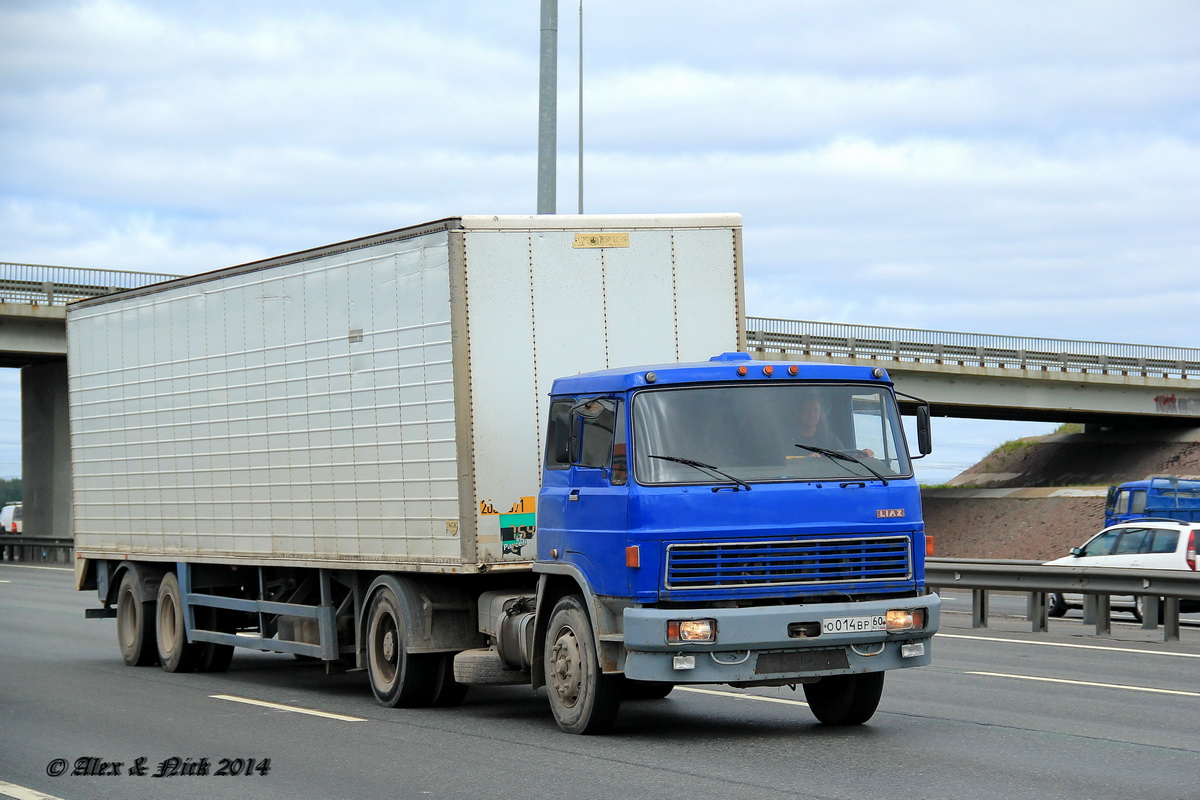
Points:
[(1016, 167)]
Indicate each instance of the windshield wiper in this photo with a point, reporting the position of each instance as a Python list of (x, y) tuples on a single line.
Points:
[(839, 455), (707, 467)]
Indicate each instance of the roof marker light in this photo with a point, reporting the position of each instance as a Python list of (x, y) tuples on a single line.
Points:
[(742, 371), (768, 370), (793, 370), (651, 377)]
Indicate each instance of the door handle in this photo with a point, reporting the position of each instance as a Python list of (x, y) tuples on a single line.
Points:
[(574, 496)]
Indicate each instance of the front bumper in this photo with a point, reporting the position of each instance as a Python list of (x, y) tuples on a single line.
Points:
[(753, 645)]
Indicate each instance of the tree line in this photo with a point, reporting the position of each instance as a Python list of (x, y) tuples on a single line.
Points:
[(10, 490)]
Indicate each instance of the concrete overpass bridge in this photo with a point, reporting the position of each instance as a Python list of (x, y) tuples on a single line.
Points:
[(979, 376), (962, 375), (33, 338)]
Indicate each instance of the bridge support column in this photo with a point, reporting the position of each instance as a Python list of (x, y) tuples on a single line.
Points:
[(46, 451)]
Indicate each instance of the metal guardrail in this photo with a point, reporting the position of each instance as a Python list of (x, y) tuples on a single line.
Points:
[(835, 340), (56, 286), (1097, 584), (36, 549)]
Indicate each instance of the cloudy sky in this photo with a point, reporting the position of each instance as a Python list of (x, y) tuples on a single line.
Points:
[(1000, 166)]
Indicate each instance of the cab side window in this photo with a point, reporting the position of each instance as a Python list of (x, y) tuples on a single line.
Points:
[(558, 434), (597, 433)]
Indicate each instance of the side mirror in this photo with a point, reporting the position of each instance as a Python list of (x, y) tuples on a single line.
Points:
[(1077, 551), (924, 431)]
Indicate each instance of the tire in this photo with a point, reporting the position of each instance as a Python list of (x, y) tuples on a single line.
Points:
[(449, 692), (1058, 605), (1139, 607), (215, 657), (845, 699), (135, 622), (175, 652), (644, 690), (584, 700), (399, 679), (484, 666)]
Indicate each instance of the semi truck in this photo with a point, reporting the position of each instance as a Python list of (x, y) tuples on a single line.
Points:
[(487, 450)]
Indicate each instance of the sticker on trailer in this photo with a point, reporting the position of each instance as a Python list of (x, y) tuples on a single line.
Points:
[(517, 526)]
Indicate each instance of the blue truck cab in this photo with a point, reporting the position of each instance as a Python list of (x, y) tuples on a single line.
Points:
[(1162, 496), (738, 522)]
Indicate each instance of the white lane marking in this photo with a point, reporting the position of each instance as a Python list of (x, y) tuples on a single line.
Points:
[(35, 566), (741, 696), (280, 707), (22, 793), (1086, 683), (1064, 644)]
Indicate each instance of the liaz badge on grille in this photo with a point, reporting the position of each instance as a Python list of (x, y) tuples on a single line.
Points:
[(887, 513)]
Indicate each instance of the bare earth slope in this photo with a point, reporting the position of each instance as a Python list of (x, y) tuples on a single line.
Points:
[(1045, 521)]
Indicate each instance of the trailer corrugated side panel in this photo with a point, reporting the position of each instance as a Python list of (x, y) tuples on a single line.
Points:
[(539, 307), (299, 412), (380, 402)]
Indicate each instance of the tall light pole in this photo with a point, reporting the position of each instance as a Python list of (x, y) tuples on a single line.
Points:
[(548, 110), (580, 106)]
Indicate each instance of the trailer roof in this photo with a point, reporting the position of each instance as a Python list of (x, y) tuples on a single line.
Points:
[(471, 222)]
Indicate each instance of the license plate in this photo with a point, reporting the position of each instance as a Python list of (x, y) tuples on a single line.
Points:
[(854, 624)]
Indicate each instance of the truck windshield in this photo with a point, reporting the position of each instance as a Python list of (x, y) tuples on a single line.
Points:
[(752, 431)]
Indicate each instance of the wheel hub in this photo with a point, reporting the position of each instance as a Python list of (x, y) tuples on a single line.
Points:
[(566, 668)]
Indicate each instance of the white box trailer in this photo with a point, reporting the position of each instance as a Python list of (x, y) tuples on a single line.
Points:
[(375, 404)]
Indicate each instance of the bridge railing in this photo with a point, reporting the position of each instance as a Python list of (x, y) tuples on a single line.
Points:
[(833, 340), (56, 286)]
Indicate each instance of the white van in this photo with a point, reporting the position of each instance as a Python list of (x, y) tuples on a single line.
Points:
[(10, 518)]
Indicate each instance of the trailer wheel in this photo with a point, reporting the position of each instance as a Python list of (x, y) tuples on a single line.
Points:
[(845, 699), (583, 699), (175, 652), (215, 657), (398, 678), (135, 623)]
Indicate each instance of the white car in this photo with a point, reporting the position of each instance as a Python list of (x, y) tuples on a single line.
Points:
[(1137, 544)]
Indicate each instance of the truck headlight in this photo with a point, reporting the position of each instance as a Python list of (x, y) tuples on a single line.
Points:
[(680, 631), (904, 619)]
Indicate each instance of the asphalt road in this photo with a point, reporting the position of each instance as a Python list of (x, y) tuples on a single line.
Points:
[(1002, 713)]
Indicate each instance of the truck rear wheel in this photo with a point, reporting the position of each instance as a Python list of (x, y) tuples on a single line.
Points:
[(845, 699), (135, 623), (175, 652), (398, 678), (215, 657), (583, 699)]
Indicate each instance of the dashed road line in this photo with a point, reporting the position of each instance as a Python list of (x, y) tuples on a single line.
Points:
[(1066, 644), (23, 792), (280, 707), (1126, 687)]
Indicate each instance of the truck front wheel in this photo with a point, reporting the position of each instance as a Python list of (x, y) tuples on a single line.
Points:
[(398, 678), (135, 622), (582, 697), (845, 699)]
